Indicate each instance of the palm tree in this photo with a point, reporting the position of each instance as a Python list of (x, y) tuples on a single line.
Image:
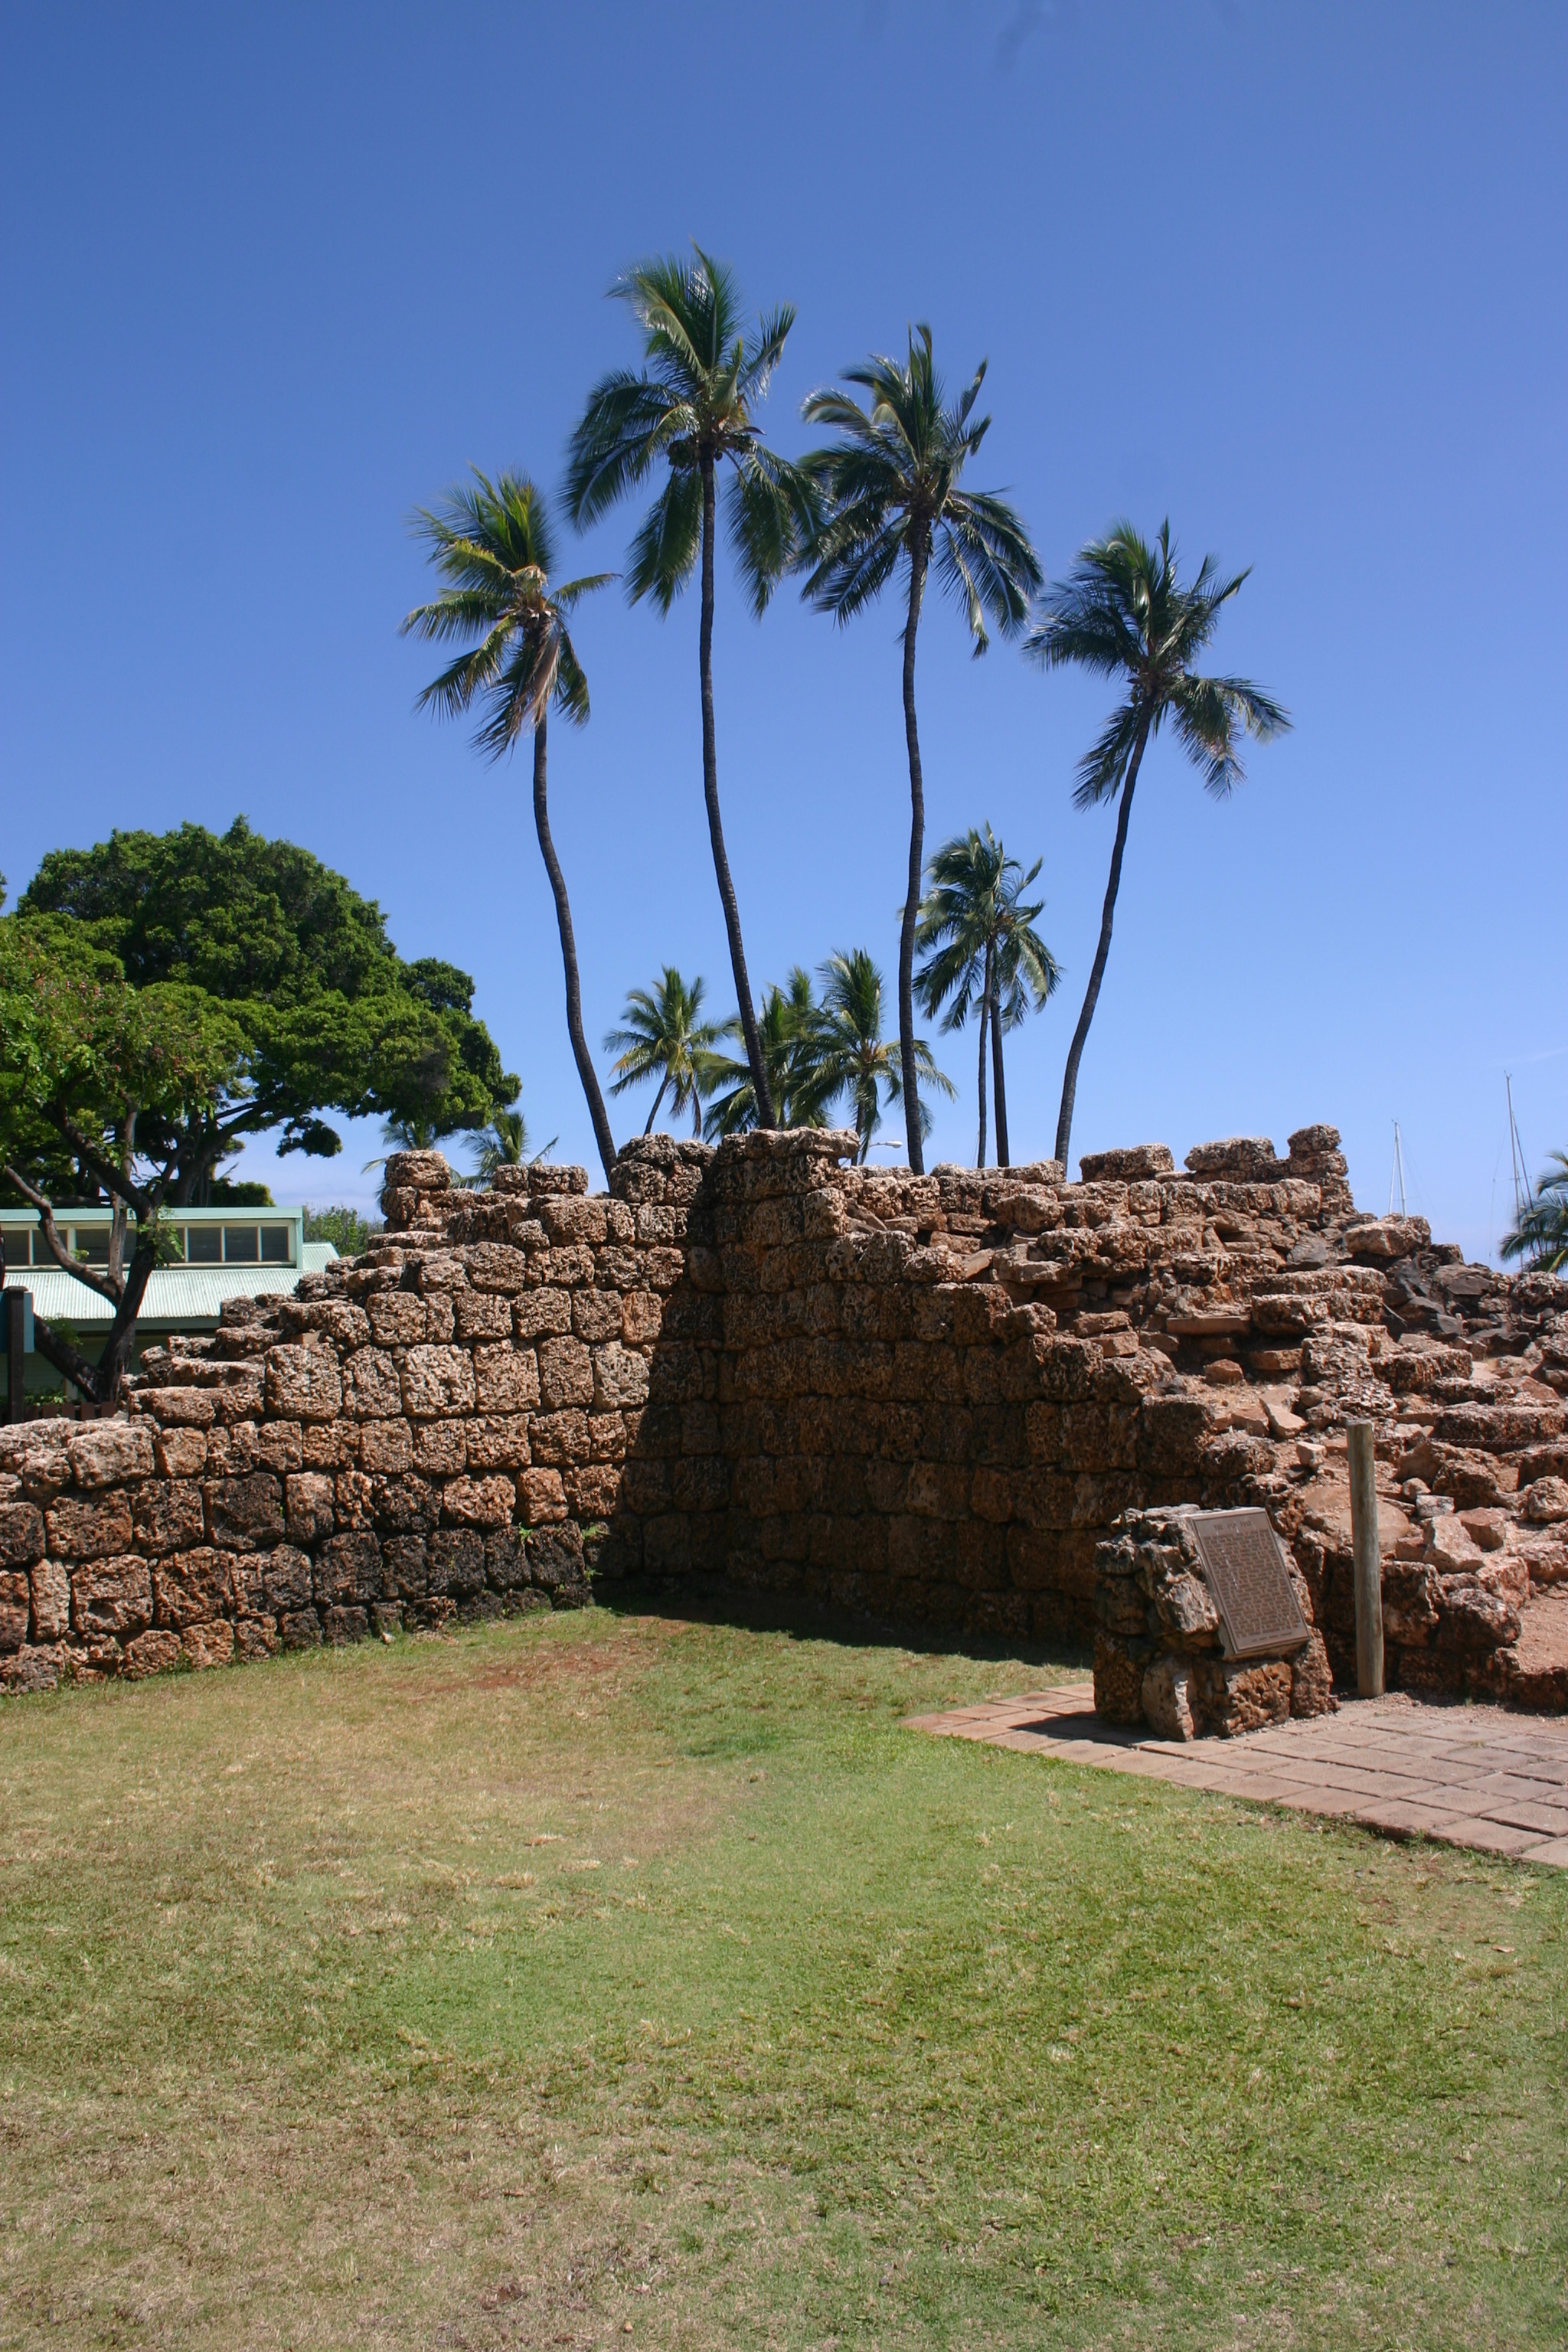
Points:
[(1123, 613), (414, 1132), (891, 490), (663, 1034), (788, 1028), (985, 953), (692, 411), (493, 542), (1542, 1233), (854, 1062), (504, 1144)]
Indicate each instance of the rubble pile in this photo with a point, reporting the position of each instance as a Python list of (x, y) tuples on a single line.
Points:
[(923, 1399)]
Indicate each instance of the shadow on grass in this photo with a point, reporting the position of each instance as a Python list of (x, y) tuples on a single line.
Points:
[(710, 1600)]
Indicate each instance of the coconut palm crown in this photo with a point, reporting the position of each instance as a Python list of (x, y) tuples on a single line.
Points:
[(1124, 612), (890, 487), (854, 1064), (985, 953), (493, 543), (1542, 1233), (788, 1028), (662, 1036), (689, 413)]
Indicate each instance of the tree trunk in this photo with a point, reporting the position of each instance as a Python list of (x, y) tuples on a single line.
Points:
[(984, 1023), (715, 824), (1004, 1158), (656, 1101), (917, 556), (1091, 994), (586, 1070)]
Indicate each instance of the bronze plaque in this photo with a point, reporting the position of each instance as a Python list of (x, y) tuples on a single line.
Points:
[(1244, 1562)]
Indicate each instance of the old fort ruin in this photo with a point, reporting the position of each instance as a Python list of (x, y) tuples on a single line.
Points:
[(926, 1401)]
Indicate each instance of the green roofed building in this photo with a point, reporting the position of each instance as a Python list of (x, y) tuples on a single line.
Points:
[(228, 1253)]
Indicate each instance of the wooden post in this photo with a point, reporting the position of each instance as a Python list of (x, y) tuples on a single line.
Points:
[(1368, 1546), (15, 1360)]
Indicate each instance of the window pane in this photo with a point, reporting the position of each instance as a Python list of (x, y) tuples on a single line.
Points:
[(274, 1244), (204, 1244), (92, 1243), (239, 1246)]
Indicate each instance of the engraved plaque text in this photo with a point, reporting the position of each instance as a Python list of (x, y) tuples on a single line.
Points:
[(1244, 1562)]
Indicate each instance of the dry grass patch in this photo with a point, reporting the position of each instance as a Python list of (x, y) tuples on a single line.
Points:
[(586, 1974)]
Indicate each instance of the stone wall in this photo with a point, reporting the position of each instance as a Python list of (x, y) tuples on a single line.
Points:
[(924, 1400)]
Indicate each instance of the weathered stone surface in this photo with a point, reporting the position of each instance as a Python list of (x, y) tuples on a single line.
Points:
[(190, 1587), (479, 1502), (208, 1644), (371, 1387), (112, 1596), (21, 1535), (348, 1570), (565, 1373), (304, 1383), (80, 1529), (1131, 1162), (397, 1319), (437, 1383), (1545, 1503), (1230, 1699), (152, 1653), (15, 1608), (1167, 1698), (311, 1511), (110, 1453), (506, 1377), (51, 1595), (167, 1514), (245, 1514)]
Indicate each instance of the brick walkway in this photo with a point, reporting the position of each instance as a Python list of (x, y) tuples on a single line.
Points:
[(1475, 1776)]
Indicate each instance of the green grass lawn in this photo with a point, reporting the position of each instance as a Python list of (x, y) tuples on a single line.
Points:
[(607, 1978)]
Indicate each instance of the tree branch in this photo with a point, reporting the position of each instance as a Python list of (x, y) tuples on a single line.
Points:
[(57, 1248), (113, 1179)]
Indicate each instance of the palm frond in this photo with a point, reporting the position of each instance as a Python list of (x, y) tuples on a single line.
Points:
[(668, 541)]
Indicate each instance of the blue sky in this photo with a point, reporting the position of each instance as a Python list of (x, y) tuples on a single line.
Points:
[(1292, 276)]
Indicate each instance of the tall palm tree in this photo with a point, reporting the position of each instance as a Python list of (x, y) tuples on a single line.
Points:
[(662, 1034), (854, 1062), (788, 1027), (985, 953), (692, 411), (1542, 1233), (890, 487), (493, 542), (1122, 613)]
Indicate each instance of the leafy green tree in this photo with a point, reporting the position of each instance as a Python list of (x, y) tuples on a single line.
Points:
[(852, 1062), (1542, 1233), (493, 542), (326, 1016), (110, 1078), (663, 1037), (982, 953), (891, 494), (348, 1231), (790, 1031), (1122, 613), (690, 414)]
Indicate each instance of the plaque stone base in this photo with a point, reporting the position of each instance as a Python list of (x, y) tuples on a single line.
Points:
[(1205, 1626)]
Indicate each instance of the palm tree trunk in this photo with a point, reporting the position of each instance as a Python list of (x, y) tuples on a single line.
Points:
[(586, 1070), (1004, 1157), (918, 553), (656, 1100), (985, 1023), (715, 823), (1091, 994)]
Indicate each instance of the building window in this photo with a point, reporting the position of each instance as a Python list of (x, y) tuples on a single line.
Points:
[(204, 1244), (274, 1244), (239, 1246)]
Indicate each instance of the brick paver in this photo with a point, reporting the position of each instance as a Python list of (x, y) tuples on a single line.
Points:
[(1470, 1776)]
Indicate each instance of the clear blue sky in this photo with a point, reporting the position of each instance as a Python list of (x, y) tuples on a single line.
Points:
[(1293, 276)]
